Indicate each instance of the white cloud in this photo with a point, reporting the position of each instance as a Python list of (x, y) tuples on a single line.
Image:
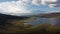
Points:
[(14, 8), (18, 7), (54, 5), (50, 3), (36, 2)]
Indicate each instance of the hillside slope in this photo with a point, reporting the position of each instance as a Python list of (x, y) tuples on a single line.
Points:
[(49, 15)]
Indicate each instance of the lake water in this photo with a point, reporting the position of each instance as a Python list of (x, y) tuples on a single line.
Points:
[(52, 21)]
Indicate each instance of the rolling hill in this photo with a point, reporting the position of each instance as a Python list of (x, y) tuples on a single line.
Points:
[(49, 15)]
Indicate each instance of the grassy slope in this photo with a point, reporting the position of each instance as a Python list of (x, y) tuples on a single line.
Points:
[(18, 27)]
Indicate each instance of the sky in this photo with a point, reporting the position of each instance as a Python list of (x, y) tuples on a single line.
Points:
[(28, 7)]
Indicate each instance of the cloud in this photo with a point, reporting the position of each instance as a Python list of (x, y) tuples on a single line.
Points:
[(19, 8), (14, 8), (36, 2), (50, 3), (54, 5)]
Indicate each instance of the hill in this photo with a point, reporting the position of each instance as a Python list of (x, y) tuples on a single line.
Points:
[(49, 15), (5, 20)]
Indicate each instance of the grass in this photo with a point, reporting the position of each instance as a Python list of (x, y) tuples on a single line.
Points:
[(39, 29), (19, 27)]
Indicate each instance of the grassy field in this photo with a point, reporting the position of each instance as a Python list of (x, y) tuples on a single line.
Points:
[(40, 29), (18, 27)]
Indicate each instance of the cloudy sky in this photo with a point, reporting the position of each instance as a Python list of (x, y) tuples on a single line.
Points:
[(28, 7)]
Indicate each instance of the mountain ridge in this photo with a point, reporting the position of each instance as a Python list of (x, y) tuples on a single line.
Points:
[(49, 15)]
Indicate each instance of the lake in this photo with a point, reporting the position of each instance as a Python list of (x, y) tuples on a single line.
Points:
[(52, 21)]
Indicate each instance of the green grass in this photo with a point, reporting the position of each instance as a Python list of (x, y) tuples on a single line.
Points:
[(19, 27), (44, 28)]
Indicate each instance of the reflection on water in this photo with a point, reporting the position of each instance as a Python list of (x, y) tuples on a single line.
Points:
[(52, 21)]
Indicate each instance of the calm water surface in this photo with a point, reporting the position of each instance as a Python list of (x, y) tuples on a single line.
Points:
[(52, 21)]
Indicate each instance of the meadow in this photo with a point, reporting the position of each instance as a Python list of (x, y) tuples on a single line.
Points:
[(18, 27)]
